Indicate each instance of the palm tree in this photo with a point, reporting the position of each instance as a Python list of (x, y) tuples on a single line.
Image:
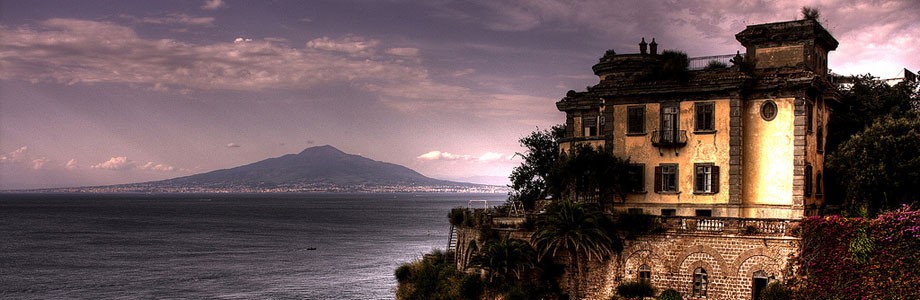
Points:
[(506, 261), (568, 227)]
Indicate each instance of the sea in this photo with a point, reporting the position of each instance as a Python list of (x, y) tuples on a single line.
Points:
[(236, 246)]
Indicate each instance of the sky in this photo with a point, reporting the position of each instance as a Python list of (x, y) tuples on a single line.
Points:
[(108, 92)]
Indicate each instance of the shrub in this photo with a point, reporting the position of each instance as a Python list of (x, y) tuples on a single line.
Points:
[(403, 273), (431, 277), (470, 287), (775, 291), (669, 294), (456, 216), (715, 64), (634, 225), (635, 289)]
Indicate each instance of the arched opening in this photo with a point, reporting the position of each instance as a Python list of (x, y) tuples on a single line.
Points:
[(645, 274), (700, 282), (759, 283)]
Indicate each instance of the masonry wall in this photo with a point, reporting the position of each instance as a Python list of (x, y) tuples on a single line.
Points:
[(729, 260)]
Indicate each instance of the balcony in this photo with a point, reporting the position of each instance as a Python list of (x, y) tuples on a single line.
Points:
[(669, 138)]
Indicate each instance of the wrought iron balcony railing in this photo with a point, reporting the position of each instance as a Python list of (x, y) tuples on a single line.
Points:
[(669, 138)]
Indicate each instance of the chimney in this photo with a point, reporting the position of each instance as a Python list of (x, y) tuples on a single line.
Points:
[(643, 46), (654, 47)]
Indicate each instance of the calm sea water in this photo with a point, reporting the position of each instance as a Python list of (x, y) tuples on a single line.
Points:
[(216, 246)]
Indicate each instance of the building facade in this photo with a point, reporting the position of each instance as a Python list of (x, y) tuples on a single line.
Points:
[(742, 137), (730, 153)]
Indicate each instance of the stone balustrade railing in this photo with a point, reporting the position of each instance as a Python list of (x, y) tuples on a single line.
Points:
[(741, 226)]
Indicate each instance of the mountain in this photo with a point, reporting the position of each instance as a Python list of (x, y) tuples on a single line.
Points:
[(322, 168)]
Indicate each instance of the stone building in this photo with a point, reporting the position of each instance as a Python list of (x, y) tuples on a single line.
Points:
[(729, 153)]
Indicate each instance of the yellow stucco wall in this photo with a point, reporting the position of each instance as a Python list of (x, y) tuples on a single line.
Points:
[(700, 148), (767, 170)]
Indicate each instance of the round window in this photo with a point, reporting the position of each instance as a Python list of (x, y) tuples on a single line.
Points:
[(768, 110)]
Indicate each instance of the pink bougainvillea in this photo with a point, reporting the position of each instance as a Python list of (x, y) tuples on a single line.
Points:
[(855, 258)]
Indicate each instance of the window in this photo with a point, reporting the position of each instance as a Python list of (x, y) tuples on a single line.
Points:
[(637, 178), (810, 114), (666, 178), (645, 274), (704, 213), (635, 120), (705, 117), (819, 138), (819, 181), (759, 282), (706, 178), (635, 211), (590, 124), (700, 282), (808, 180), (768, 110), (668, 212), (669, 122)]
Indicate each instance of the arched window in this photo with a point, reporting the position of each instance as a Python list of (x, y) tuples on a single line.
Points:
[(759, 283), (700, 282), (645, 273)]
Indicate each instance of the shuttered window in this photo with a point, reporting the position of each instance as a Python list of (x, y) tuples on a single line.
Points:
[(705, 116), (635, 120), (666, 178), (705, 178), (808, 180)]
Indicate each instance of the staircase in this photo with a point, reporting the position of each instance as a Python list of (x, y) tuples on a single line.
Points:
[(452, 245)]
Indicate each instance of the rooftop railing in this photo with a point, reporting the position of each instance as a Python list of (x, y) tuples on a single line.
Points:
[(699, 63)]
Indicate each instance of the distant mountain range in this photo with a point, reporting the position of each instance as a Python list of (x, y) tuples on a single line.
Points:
[(315, 169)]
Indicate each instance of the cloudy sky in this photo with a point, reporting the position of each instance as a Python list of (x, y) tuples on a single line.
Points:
[(104, 92)]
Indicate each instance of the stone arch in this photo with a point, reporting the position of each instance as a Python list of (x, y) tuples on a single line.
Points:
[(768, 264), (685, 285), (748, 254), (723, 267), (642, 253)]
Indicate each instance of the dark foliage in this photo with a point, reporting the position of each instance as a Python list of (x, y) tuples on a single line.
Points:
[(633, 225), (456, 216), (879, 168), (528, 181), (863, 103), (674, 65), (570, 228), (775, 291), (810, 13), (591, 173), (715, 64), (506, 262), (432, 277), (635, 289), (669, 294)]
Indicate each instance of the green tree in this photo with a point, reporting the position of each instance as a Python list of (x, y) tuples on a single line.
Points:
[(528, 181), (879, 168), (589, 173), (506, 261), (866, 100), (568, 227)]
